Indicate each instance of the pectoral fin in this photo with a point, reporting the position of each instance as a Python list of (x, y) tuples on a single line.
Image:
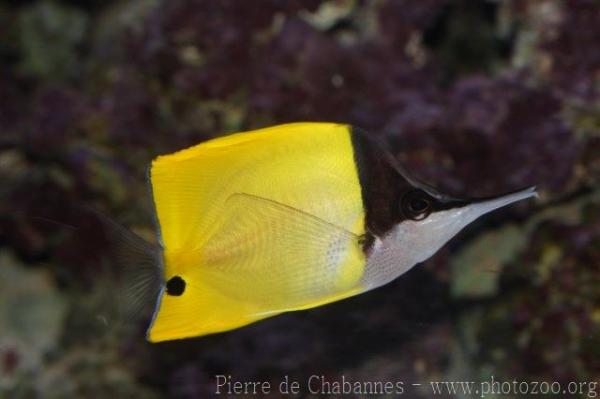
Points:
[(264, 258)]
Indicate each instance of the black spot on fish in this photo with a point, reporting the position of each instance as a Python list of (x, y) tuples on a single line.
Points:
[(175, 286)]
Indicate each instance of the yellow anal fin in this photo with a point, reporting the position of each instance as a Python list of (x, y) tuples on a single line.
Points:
[(204, 310)]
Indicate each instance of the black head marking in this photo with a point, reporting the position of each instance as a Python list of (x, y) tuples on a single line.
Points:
[(175, 286), (390, 195), (381, 184)]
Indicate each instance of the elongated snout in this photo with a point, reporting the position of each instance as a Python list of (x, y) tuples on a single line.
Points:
[(422, 238), (479, 207)]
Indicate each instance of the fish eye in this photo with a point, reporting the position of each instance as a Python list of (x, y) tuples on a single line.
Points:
[(416, 205), (175, 286)]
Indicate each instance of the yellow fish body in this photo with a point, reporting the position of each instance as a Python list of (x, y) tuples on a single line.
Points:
[(287, 218), (253, 234)]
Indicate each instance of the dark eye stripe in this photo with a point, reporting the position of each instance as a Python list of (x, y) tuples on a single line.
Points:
[(381, 185)]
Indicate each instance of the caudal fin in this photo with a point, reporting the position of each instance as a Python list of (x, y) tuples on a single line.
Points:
[(139, 271)]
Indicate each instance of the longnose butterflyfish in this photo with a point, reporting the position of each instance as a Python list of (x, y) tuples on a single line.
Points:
[(285, 218)]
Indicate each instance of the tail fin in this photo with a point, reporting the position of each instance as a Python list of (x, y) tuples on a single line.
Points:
[(139, 268)]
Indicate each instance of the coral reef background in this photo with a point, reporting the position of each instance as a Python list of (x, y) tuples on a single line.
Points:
[(477, 97)]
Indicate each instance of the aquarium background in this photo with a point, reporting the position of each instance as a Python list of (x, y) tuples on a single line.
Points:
[(476, 97)]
